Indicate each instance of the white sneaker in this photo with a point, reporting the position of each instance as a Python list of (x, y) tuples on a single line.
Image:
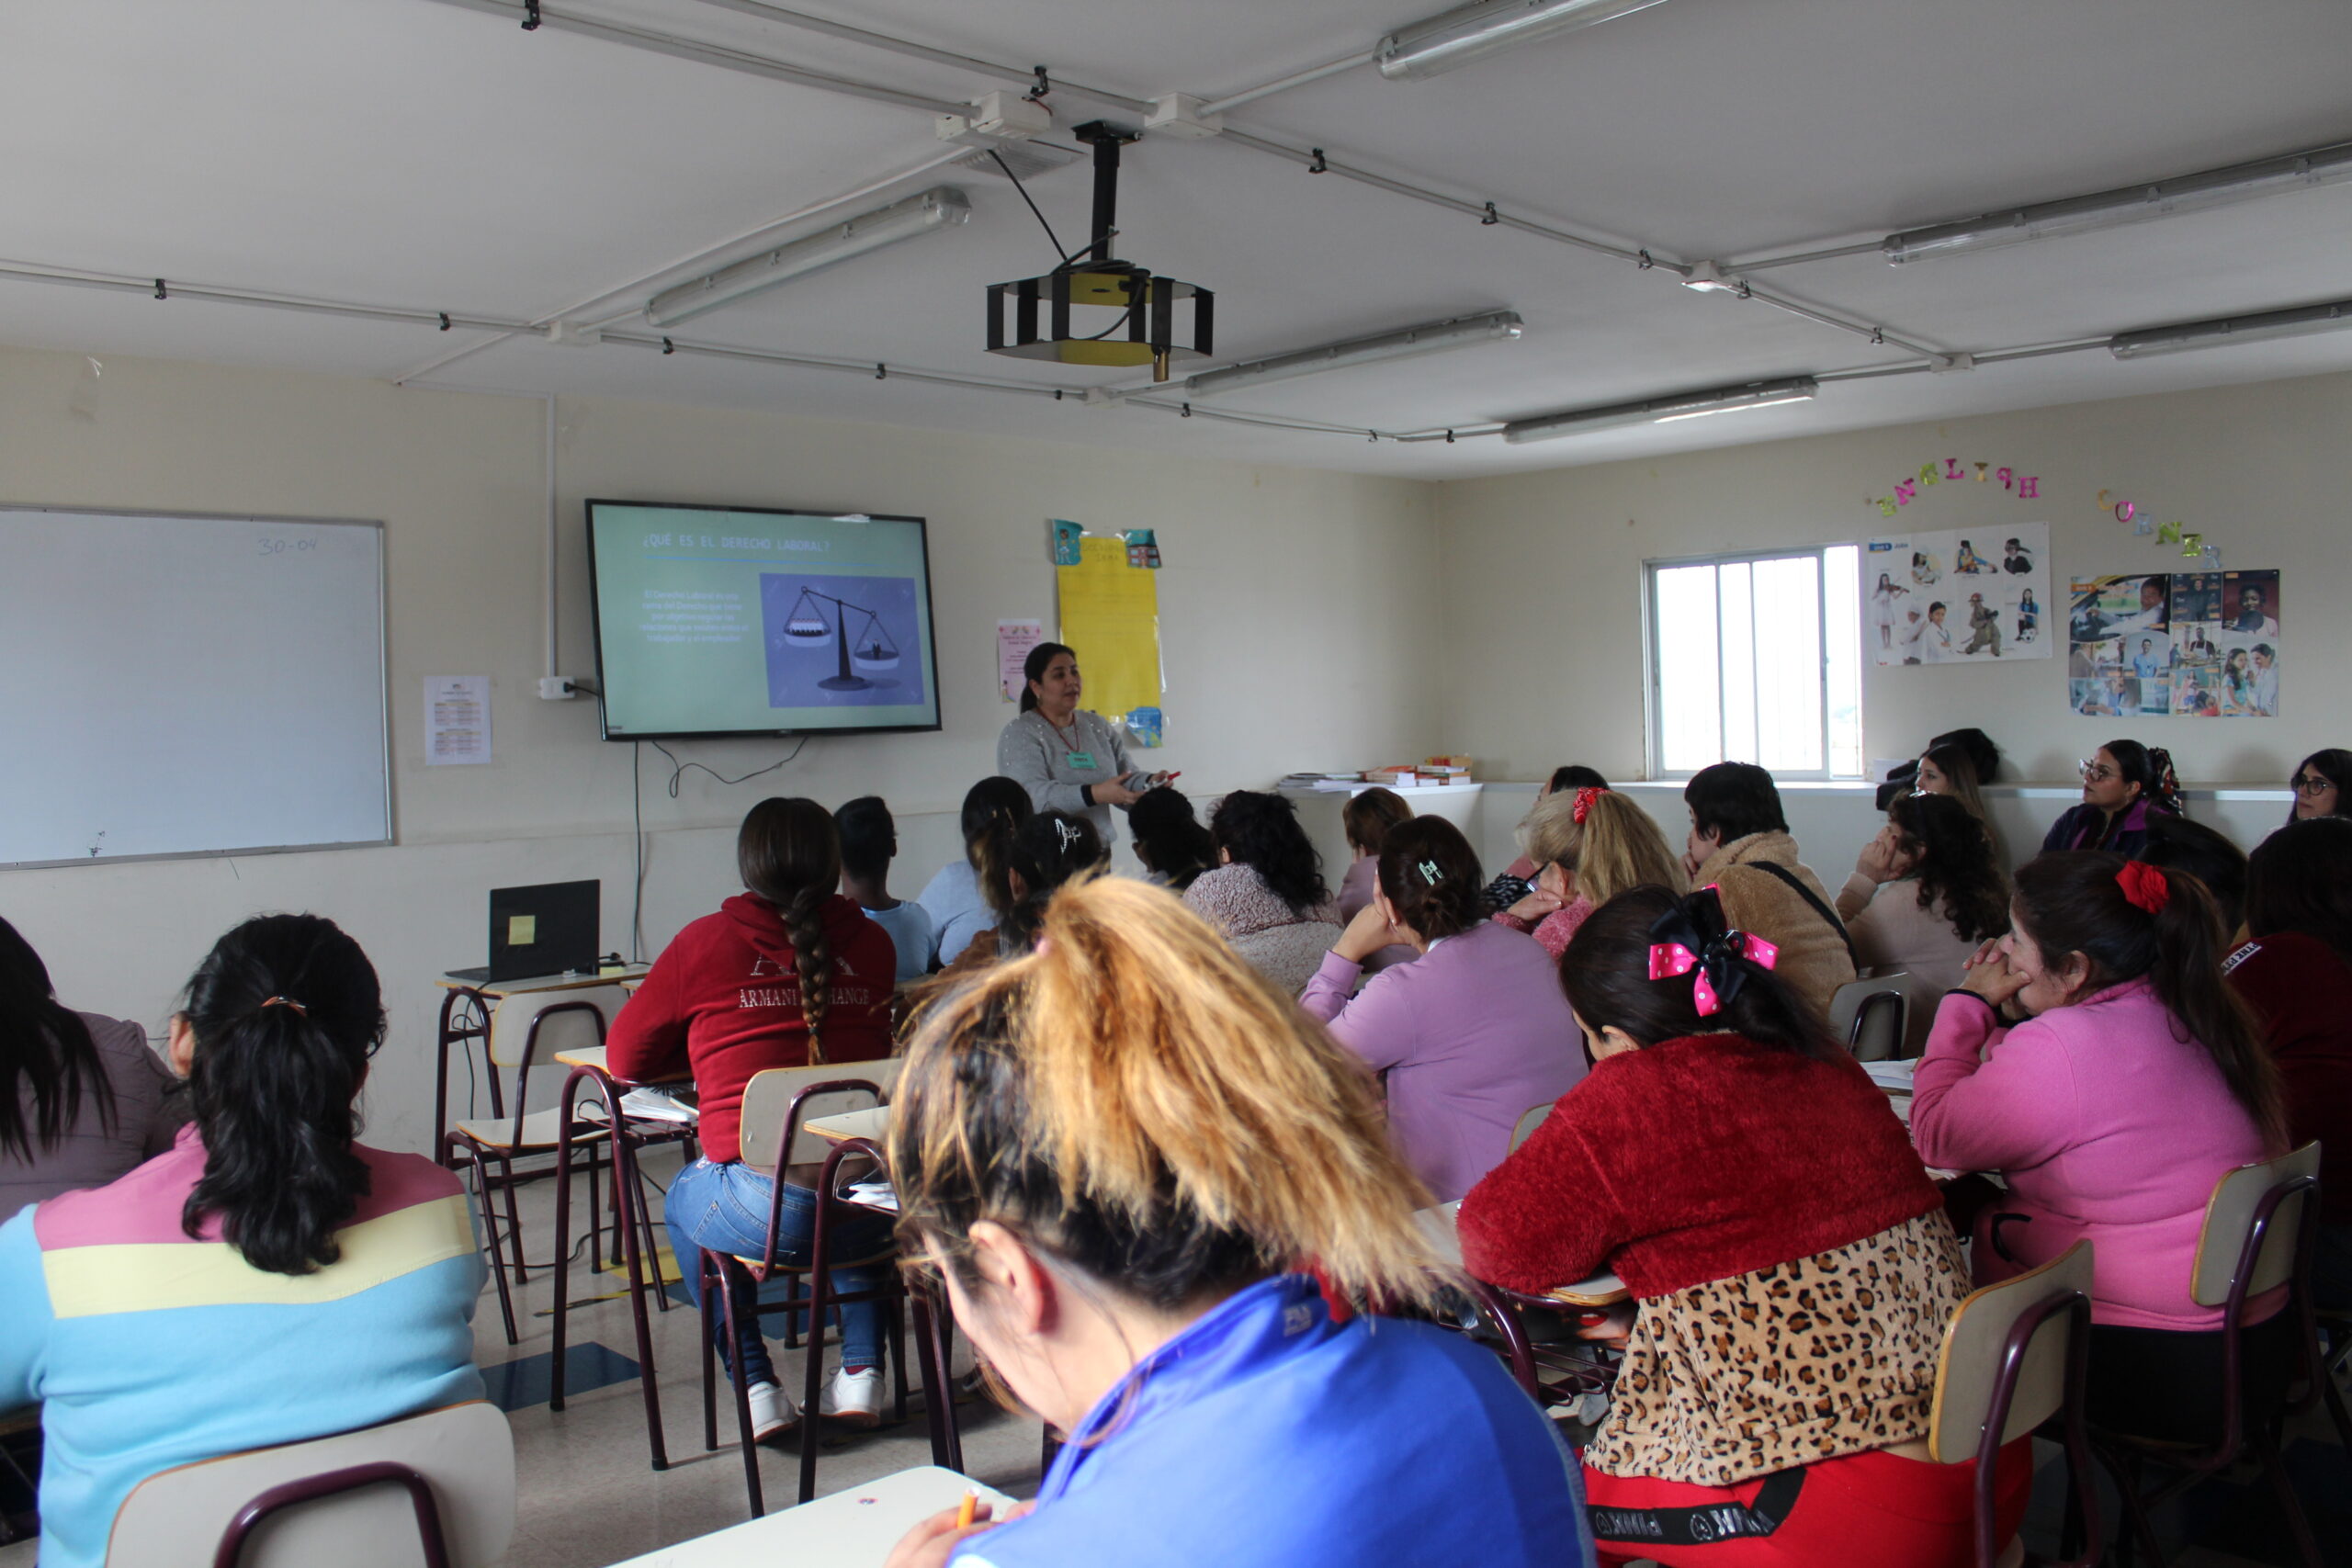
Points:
[(773, 1411), (854, 1399)]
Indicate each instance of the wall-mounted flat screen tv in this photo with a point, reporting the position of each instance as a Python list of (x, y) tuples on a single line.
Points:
[(730, 620)]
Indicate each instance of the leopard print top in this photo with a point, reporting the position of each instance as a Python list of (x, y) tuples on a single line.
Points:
[(1832, 1354)]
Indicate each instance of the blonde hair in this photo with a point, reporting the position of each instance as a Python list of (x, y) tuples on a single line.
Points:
[(1134, 1098), (1617, 845)]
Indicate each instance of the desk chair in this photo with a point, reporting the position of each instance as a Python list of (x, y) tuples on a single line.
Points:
[(1871, 1015), (777, 1105), (521, 1031), (436, 1488), (2261, 1229), (2015, 1357), (1531, 1119)]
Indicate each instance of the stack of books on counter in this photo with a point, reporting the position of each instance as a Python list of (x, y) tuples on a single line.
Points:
[(1321, 780)]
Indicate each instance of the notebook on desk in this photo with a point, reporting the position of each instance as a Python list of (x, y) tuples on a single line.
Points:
[(534, 932)]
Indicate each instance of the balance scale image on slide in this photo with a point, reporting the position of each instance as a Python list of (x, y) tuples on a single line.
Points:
[(839, 639)]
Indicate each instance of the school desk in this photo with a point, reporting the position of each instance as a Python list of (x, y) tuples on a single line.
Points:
[(852, 1529), (1603, 1288)]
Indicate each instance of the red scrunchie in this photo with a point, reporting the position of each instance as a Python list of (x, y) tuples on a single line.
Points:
[(1584, 797), (2145, 886)]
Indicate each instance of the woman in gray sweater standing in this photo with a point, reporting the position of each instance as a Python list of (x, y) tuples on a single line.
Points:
[(1068, 758)]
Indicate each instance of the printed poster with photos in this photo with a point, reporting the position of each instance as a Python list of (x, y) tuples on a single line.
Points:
[(2183, 644), (1958, 595)]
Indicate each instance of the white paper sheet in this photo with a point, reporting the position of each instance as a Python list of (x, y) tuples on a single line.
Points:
[(456, 719)]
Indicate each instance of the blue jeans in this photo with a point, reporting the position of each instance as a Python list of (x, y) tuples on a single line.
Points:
[(724, 1206)]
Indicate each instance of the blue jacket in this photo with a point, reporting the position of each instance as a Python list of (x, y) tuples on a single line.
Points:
[(1265, 1434)]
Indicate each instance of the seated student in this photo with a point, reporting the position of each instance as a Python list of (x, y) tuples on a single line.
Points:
[(1119, 1154), (268, 1281), (1749, 1184), (1473, 1034), (1266, 893), (2296, 971), (2322, 786), (1025, 869), (788, 974), (2124, 783), (82, 1097), (958, 909), (1924, 895), (1170, 841), (1740, 842), (2136, 1081), (1593, 844), (869, 842), (1367, 818), (2179, 844), (1517, 880)]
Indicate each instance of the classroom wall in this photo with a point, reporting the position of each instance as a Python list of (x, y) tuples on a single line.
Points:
[(1277, 601), (1543, 571)]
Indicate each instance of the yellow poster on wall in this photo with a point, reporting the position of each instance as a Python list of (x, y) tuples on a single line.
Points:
[(1110, 616)]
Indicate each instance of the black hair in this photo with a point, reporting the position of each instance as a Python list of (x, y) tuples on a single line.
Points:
[(1958, 870), (2334, 765), (1262, 832), (1606, 974), (285, 1009), (1576, 775), (789, 854), (994, 810), (2299, 879), (1733, 800), (1051, 849), (1033, 669), (1170, 840), (1430, 876), (869, 837), (49, 1064), (2179, 844), (2150, 767), (2071, 901)]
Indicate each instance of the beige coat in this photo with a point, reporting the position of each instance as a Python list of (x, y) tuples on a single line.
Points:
[(1814, 960)]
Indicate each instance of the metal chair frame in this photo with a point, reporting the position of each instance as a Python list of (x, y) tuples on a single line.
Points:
[(816, 1299), (2124, 1456), (2073, 1437), (331, 1483)]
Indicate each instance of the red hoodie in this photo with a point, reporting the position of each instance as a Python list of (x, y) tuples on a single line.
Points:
[(724, 1000), (2303, 992)]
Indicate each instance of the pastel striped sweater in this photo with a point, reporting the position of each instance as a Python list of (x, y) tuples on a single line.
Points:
[(147, 1348)]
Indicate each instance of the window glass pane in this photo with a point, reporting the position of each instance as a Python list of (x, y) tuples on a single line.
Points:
[(1841, 578), (1690, 724), (1736, 590), (1788, 673)]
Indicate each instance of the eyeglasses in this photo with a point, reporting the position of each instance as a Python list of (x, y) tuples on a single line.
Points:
[(2310, 784), (2096, 773)]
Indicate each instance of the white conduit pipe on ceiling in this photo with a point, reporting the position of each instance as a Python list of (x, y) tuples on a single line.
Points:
[(552, 652), (1284, 83), (705, 258)]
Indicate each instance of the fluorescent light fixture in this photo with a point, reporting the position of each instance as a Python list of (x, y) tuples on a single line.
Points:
[(1459, 332), (1473, 32), (2130, 204), (2269, 324), (942, 206), (1663, 411)]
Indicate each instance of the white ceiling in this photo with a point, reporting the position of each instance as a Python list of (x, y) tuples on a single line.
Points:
[(416, 153)]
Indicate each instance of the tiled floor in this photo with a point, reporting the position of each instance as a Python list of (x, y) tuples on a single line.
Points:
[(588, 1496)]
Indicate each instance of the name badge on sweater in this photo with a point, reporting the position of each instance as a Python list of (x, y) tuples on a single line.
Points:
[(1081, 759)]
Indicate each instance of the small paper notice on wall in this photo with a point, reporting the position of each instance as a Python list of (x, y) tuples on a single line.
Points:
[(1014, 641), (456, 719)]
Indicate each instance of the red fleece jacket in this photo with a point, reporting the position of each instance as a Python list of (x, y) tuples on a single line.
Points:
[(2303, 992), (1692, 1160), (724, 1000)]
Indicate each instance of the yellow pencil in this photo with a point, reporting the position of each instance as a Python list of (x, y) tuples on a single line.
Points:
[(968, 1507)]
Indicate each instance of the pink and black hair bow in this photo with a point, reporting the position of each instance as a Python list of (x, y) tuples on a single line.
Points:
[(1677, 947)]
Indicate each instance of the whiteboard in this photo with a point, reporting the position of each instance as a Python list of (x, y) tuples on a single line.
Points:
[(183, 685)]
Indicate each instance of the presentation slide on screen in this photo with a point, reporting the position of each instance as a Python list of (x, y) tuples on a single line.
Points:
[(719, 621)]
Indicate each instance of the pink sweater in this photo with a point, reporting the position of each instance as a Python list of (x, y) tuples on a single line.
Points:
[(2106, 1128)]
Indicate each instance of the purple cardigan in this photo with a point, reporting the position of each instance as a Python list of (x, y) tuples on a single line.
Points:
[(2107, 1127), (1473, 1034)]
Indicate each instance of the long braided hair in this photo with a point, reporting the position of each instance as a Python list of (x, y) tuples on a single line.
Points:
[(790, 854)]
